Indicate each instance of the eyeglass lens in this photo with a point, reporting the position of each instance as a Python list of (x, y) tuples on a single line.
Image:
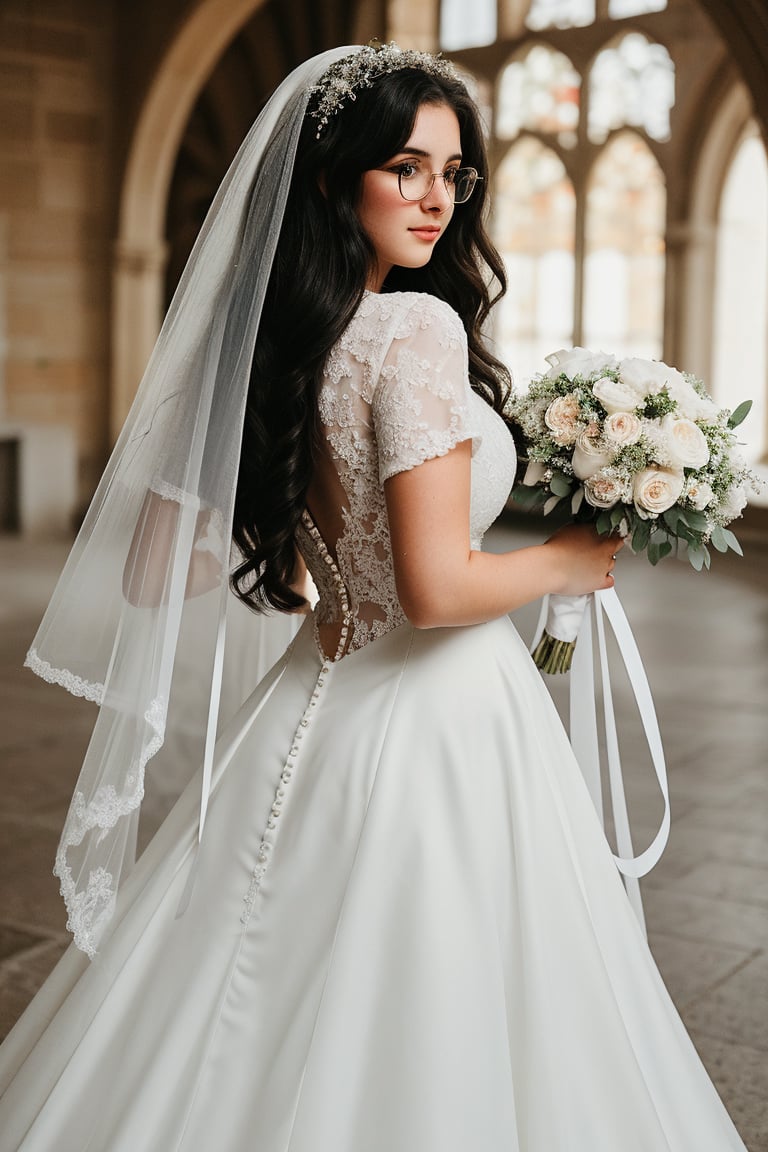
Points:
[(415, 183)]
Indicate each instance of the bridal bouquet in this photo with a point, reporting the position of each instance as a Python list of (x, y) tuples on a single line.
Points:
[(637, 448)]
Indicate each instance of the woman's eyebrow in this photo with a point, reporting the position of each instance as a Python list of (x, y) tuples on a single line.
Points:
[(420, 152)]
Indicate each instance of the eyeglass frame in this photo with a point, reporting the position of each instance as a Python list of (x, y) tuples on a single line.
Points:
[(434, 175)]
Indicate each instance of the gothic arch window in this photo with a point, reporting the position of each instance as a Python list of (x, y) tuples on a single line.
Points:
[(465, 25), (534, 216), (740, 361), (624, 249), (560, 14), (621, 9), (539, 90), (631, 82)]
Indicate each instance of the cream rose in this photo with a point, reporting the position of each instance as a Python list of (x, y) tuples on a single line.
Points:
[(655, 490), (603, 490), (578, 362), (699, 493), (589, 456), (562, 419), (618, 395), (686, 442), (622, 428)]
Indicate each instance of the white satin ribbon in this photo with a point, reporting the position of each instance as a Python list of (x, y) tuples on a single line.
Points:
[(583, 732), (211, 734)]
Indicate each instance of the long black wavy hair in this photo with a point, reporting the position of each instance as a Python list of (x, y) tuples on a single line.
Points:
[(318, 278)]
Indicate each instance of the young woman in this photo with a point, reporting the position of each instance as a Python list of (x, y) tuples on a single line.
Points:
[(402, 930)]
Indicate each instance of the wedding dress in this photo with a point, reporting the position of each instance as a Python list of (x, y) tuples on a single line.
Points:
[(406, 931)]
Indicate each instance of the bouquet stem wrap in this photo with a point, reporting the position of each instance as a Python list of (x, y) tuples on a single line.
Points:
[(583, 724), (554, 651)]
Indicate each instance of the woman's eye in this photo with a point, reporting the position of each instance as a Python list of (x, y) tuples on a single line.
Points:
[(406, 170), (450, 175)]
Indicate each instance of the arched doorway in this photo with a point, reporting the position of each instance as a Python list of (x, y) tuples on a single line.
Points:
[(139, 258), (292, 32)]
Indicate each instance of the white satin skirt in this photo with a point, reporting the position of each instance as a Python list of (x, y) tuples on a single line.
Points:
[(406, 934)]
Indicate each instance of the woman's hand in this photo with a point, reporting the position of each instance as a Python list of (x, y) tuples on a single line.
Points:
[(583, 560)]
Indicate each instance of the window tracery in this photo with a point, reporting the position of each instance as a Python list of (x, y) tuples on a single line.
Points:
[(539, 91), (631, 83)]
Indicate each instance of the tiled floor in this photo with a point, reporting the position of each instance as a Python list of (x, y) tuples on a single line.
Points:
[(704, 642)]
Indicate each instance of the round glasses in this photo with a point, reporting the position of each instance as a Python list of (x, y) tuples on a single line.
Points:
[(415, 183)]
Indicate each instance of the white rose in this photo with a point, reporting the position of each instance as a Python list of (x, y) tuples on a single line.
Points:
[(589, 456), (603, 490), (698, 492), (562, 419), (734, 504), (690, 403), (650, 376), (656, 489), (578, 362), (618, 395), (622, 428), (686, 442)]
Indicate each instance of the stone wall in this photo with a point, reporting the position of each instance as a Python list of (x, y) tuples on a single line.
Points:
[(56, 219)]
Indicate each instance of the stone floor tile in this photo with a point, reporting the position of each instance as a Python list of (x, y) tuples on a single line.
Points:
[(736, 1008), (701, 919), (718, 879), (29, 892), (20, 980), (690, 971), (740, 1074)]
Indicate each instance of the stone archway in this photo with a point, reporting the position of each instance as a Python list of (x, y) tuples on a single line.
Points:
[(695, 240), (139, 258)]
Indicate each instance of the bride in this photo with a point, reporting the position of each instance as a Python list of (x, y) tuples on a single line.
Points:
[(392, 923)]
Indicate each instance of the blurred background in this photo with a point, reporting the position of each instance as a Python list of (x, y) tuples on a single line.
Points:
[(630, 202)]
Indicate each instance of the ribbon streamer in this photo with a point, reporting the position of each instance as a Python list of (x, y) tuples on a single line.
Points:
[(584, 738)]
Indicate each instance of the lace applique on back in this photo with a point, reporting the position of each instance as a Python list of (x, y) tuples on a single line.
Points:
[(395, 393)]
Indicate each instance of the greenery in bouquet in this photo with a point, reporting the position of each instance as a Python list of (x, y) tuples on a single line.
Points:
[(636, 447)]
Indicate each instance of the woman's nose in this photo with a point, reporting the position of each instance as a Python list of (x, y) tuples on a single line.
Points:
[(439, 198)]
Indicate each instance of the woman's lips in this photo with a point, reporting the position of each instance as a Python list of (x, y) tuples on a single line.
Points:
[(425, 233)]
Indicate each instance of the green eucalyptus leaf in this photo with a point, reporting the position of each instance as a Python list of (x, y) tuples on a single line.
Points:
[(739, 414), (696, 520), (603, 523), (673, 516), (732, 542), (665, 547), (654, 551), (560, 485), (696, 556), (641, 535), (525, 497), (718, 539)]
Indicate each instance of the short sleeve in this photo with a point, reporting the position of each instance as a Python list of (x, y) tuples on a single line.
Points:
[(421, 402)]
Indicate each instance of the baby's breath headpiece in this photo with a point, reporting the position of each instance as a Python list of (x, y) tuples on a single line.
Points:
[(347, 76)]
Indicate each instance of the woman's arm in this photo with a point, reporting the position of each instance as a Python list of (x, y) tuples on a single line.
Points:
[(146, 572), (441, 581)]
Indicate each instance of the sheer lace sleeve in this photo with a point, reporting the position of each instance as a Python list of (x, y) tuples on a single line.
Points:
[(421, 404)]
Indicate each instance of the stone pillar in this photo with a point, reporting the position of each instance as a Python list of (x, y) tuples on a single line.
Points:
[(137, 294)]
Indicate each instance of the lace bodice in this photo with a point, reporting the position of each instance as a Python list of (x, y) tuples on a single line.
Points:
[(395, 393)]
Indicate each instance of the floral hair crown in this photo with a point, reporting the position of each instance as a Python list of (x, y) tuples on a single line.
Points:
[(347, 76)]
